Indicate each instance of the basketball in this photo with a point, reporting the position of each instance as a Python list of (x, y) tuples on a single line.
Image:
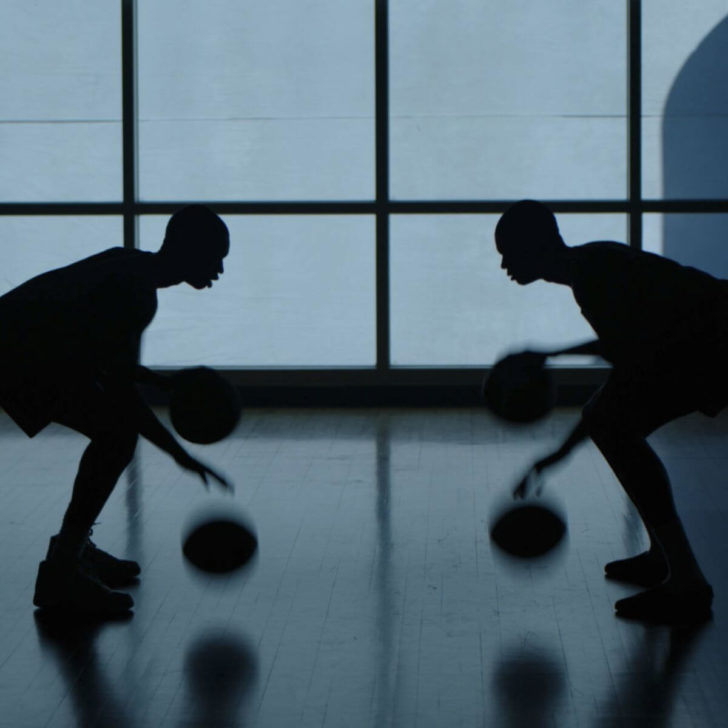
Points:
[(519, 390), (219, 544), (204, 407), (528, 530)]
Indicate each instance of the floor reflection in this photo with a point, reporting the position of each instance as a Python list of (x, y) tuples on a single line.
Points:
[(386, 664), (527, 686), (133, 502), (650, 681), (96, 699), (221, 670)]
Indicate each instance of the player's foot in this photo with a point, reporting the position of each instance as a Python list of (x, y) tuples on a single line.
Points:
[(111, 571), (647, 569), (103, 566), (64, 587), (669, 604)]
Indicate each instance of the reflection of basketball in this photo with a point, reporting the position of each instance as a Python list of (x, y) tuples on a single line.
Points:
[(219, 544), (519, 390), (528, 530), (204, 406)]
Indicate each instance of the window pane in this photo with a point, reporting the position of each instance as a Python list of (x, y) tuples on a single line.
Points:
[(268, 100), (297, 291), (453, 305), (60, 82), (697, 240), (508, 99), (34, 245), (685, 99)]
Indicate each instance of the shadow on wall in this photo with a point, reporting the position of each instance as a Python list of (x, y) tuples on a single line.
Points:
[(695, 154)]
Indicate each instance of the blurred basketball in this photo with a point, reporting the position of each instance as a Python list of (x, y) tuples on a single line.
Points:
[(219, 544), (528, 530), (204, 406), (519, 389)]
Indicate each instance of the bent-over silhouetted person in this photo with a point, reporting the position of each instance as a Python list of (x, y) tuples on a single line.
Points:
[(69, 345), (664, 329)]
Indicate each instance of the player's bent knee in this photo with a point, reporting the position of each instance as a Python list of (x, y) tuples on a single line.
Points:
[(612, 430), (119, 442), (604, 424)]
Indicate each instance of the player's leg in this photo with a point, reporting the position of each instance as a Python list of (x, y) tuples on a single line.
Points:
[(108, 422), (619, 419)]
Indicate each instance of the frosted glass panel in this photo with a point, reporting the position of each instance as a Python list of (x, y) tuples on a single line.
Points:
[(685, 98), (60, 84), (697, 240), (33, 245), (452, 304), (270, 100), (297, 291), (508, 99)]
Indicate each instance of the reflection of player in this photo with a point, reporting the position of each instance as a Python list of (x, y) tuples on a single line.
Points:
[(664, 328), (69, 347)]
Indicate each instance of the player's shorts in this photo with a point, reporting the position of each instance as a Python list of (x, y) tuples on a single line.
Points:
[(642, 404), (34, 399), (30, 401)]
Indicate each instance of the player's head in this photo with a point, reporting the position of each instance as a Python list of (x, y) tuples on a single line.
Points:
[(195, 242), (527, 236)]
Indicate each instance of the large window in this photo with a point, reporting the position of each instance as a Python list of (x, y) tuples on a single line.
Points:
[(256, 101), (60, 84), (361, 153), (507, 100)]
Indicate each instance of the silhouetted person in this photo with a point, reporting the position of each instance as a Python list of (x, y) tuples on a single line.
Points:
[(69, 345), (664, 329)]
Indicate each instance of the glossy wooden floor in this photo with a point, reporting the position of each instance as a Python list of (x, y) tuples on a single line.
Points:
[(376, 599)]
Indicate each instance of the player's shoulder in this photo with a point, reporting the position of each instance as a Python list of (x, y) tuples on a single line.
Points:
[(107, 257), (125, 276), (601, 249), (600, 257), (122, 264), (100, 268)]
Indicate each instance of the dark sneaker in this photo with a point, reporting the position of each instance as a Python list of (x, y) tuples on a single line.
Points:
[(103, 566), (65, 587), (111, 571), (667, 605), (647, 569)]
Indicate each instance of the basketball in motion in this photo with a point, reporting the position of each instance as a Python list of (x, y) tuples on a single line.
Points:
[(519, 389), (528, 530), (219, 543), (204, 407)]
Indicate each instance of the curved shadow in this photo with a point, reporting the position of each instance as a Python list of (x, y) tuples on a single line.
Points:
[(95, 698), (527, 688), (694, 150), (221, 671), (649, 683)]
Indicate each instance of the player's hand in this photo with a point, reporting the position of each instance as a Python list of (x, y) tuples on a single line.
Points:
[(530, 484), (204, 472)]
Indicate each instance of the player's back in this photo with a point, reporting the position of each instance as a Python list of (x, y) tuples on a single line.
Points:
[(644, 306), (64, 313)]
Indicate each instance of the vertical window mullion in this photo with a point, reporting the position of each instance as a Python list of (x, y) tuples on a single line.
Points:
[(128, 120), (381, 39), (634, 70)]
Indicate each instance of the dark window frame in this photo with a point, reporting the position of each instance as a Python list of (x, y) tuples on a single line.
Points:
[(445, 383)]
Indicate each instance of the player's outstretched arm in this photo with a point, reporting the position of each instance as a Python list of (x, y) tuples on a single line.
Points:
[(531, 482), (588, 348), (530, 358), (150, 428), (142, 375)]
